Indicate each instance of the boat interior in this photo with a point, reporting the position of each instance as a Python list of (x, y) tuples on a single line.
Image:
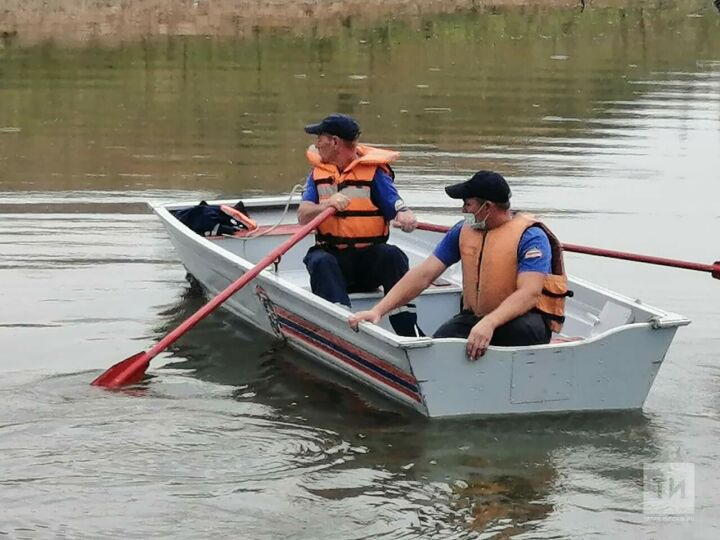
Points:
[(590, 312)]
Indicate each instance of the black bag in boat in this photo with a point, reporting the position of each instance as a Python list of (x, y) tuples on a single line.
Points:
[(209, 220)]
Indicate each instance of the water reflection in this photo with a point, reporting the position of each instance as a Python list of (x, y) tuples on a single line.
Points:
[(515, 90), (499, 476), (263, 369)]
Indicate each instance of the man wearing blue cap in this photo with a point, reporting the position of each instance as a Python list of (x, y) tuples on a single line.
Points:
[(351, 252), (514, 282)]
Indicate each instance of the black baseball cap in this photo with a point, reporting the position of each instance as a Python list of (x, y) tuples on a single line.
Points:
[(485, 185), (339, 125)]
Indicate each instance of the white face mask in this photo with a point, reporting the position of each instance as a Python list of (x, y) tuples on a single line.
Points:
[(472, 221)]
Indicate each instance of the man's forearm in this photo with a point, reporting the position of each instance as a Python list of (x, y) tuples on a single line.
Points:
[(518, 303), (403, 292), (308, 210), (412, 284)]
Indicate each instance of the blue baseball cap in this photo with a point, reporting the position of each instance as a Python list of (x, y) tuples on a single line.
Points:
[(339, 125)]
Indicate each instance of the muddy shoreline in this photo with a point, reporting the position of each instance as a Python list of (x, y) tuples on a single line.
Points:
[(25, 22)]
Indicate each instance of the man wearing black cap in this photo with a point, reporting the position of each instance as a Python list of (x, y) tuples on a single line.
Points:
[(351, 251), (514, 283)]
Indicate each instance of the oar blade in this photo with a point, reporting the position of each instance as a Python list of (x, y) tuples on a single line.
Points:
[(129, 371), (132, 370)]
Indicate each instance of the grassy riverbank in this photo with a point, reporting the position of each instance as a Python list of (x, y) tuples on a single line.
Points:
[(78, 21)]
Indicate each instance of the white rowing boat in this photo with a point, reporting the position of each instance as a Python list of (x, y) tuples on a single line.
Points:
[(606, 358)]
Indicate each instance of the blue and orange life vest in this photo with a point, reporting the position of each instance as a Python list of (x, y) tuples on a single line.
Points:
[(362, 223), (490, 269)]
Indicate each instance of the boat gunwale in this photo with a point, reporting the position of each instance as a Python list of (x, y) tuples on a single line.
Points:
[(660, 318)]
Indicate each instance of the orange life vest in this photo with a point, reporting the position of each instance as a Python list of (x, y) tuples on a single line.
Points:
[(490, 269), (236, 214), (362, 223)]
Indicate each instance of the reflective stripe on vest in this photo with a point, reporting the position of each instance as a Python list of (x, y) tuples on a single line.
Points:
[(490, 268), (362, 223)]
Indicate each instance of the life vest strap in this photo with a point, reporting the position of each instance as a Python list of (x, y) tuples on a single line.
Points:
[(333, 240), (354, 183), (551, 294), (553, 317), (359, 213)]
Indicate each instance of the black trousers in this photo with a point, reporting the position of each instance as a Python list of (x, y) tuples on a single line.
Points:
[(335, 273), (528, 329)]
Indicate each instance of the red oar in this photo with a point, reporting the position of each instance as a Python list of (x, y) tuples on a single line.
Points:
[(714, 268), (132, 370)]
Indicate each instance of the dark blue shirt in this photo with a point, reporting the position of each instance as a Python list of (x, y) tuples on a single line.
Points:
[(382, 193), (534, 254)]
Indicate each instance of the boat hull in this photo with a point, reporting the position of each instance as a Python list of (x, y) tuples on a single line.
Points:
[(612, 367), (613, 372)]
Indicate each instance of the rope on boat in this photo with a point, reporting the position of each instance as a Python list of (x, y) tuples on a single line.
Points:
[(259, 233)]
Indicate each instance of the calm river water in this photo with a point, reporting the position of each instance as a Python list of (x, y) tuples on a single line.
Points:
[(606, 123)]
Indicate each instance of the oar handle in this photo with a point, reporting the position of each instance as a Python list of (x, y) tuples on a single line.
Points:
[(714, 268), (235, 286)]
